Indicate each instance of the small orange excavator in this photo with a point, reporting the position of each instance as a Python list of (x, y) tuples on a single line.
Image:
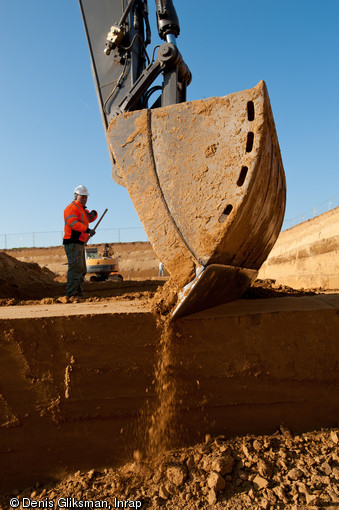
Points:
[(102, 266), (206, 177)]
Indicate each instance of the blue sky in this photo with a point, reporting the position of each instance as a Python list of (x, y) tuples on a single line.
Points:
[(52, 138)]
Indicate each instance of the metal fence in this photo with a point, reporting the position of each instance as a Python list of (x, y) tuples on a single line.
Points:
[(54, 238), (325, 206)]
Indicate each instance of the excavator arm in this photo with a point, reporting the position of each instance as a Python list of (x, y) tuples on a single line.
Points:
[(122, 70), (206, 177)]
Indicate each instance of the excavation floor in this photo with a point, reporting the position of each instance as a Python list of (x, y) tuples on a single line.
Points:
[(77, 308), (79, 380), (143, 305)]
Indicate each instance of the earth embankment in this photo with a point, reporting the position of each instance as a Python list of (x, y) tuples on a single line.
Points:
[(307, 255)]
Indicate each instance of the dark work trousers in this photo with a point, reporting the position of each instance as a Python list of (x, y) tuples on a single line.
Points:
[(76, 269)]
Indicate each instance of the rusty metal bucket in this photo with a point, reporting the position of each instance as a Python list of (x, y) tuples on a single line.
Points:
[(207, 180)]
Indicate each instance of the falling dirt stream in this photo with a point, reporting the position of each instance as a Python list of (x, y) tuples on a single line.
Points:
[(163, 426)]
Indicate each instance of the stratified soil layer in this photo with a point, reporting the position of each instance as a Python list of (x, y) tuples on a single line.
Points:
[(307, 255)]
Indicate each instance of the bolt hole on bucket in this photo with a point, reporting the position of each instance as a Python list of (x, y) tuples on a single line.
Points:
[(249, 143), (242, 176), (226, 213), (250, 111)]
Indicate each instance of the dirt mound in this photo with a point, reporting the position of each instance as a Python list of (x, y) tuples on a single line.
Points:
[(22, 279), (264, 472)]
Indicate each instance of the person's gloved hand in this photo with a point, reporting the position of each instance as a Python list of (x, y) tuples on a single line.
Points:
[(90, 231), (93, 214)]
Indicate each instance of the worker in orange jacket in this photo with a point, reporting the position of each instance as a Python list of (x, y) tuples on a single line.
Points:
[(77, 232)]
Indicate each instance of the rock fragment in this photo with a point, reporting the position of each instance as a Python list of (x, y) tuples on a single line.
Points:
[(206, 464), (172, 489), (251, 493), (176, 474), (212, 497), (216, 482), (223, 465), (264, 504), (190, 463), (326, 468), (163, 492), (279, 492), (295, 474), (90, 474), (265, 469), (260, 483), (334, 437), (246, 452), (257, 445)]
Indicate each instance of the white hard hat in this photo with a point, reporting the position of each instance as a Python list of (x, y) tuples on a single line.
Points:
[(81, 190)]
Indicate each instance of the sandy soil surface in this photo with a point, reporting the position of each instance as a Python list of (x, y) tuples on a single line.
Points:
[(278, 471)]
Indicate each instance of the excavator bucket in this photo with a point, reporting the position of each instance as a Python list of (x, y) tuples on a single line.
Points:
[(207, 180)]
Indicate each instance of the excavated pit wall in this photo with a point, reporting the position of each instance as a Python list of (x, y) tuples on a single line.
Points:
[(76, 389), (307, 255)]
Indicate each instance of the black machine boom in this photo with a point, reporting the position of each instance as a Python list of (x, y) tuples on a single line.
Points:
[(118, 36)]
